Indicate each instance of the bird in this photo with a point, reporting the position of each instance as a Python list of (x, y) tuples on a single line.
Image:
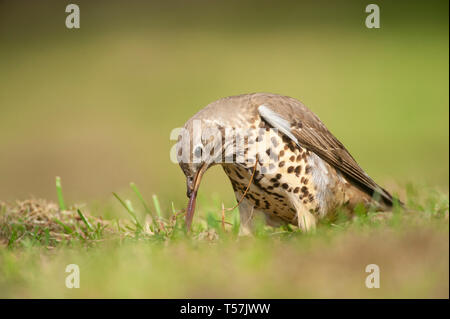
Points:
[(280, 158)]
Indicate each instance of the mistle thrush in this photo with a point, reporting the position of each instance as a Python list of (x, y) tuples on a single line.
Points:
[(299, 171)]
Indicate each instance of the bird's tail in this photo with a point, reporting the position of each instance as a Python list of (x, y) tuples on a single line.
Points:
[(385, 198)]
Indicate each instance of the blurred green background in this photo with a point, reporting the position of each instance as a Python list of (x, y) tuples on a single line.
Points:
[(96, 105)]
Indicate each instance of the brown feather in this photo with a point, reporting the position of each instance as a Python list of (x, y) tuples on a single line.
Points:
[(312, 134)]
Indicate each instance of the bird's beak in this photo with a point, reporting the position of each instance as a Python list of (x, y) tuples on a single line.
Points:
[(193, 195)]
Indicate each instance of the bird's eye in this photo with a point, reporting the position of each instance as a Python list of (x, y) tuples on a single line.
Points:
[(198, 151)]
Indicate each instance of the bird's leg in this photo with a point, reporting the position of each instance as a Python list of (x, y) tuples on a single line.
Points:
[(246, 214)]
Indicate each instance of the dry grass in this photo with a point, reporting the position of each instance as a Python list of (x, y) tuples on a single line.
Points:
[(44, 222)]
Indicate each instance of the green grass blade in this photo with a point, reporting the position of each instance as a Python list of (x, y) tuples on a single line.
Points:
[(129, 210), (130, 206), (85, 221), (141, 198), (66, 228), (59, 193), (157, 207)]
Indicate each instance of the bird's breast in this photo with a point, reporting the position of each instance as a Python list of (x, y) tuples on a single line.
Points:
[(287, 177)]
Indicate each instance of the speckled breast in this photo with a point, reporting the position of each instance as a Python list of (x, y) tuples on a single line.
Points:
[(288, 179)]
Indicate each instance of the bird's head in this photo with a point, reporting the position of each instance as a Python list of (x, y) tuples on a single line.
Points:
[(198, 148)]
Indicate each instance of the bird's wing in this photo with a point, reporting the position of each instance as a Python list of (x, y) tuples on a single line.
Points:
[(303, 127)]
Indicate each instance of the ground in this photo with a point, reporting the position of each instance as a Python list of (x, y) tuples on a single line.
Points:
[(149, 255)]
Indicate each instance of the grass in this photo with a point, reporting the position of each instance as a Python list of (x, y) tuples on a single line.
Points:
[(153, 257)]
